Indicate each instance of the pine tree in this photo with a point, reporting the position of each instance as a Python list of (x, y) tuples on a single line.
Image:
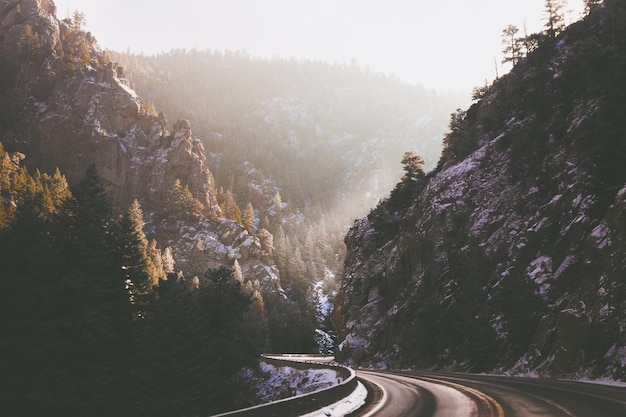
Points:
[(413, 165), (69, 332), (168, 261), (277, 203), (255, 321), (181, 203), (554, 11), (75, 44), (9, 184), (237, 274), (97, 308), (267, 241), (222, 305), (591, 5), (30, 298), (248, 219), (512, 49), (140, 261), (530, 41), (230, 210), (156, 257)]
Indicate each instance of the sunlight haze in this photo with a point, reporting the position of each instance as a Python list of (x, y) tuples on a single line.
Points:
[(446, 45)]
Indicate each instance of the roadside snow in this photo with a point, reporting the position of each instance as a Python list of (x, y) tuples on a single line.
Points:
[(604, 381), (344, 407), (285, 381)]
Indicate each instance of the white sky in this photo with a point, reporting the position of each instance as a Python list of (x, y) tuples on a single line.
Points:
[(442, 44)]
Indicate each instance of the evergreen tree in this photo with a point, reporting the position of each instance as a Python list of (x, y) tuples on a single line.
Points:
[(413, 165), (168, 261), (230, 210), (277, 203), (30, 299), (237, 274), (165, 345), (554, 11), (248, 218), (512, 46), (75, 44), (591, 5), (9, 186), (267, 241), (280, 250), (255, 320), (181, 203), (68, 335), (97, 311), (222, 305), (530, 41), (156, 257), (141, 260)]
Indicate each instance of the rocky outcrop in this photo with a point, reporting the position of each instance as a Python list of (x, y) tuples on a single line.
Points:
[(70, 114), (15, 16), (65, 105), (509, 257), (101, 120)]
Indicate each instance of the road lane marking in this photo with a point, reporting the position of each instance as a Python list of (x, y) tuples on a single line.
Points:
[(381, 402), (495, 409)]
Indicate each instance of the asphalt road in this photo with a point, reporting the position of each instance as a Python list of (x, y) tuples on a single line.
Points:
[(459, 395)]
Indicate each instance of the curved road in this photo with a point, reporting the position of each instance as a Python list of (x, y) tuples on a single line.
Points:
[(404, 394)]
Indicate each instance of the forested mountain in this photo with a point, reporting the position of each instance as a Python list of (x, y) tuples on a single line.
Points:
[(316, 131), (142, 267), (509, 256), (105, 309), (126, 291), (308, 146)]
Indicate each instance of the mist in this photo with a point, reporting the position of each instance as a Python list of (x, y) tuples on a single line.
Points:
[(443, 45), (327, 139)]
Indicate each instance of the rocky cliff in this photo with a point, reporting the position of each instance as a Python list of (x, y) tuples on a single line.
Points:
[(510, 255), (65, 104)]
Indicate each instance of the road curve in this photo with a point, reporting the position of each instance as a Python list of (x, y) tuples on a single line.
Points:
[(459, 395)]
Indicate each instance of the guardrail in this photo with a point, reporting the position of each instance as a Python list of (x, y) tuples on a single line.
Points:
[(300, 357), (305, 403)]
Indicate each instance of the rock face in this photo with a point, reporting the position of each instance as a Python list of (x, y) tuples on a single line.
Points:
[(90, 115), (510, 255), (65, 105)]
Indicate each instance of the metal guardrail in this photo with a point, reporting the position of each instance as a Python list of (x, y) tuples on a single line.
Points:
[(305, 403)]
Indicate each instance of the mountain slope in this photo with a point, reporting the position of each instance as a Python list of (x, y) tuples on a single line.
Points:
[(65, 104), (308, 146), (318, 131), (510, 254)]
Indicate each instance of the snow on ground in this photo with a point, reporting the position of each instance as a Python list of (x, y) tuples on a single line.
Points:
[(285, 381), (344, 407), (604, 381)]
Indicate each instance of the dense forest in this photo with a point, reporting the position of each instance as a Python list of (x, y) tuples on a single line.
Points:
[(95, 321)]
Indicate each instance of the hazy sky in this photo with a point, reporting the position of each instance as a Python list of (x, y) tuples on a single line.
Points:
[(443, 44)]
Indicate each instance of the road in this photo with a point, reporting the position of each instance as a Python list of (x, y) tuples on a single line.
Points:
[(418, 394)]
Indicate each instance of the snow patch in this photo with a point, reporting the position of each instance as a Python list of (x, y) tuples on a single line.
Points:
[(344, 407), (601, 235), (285, 381)]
